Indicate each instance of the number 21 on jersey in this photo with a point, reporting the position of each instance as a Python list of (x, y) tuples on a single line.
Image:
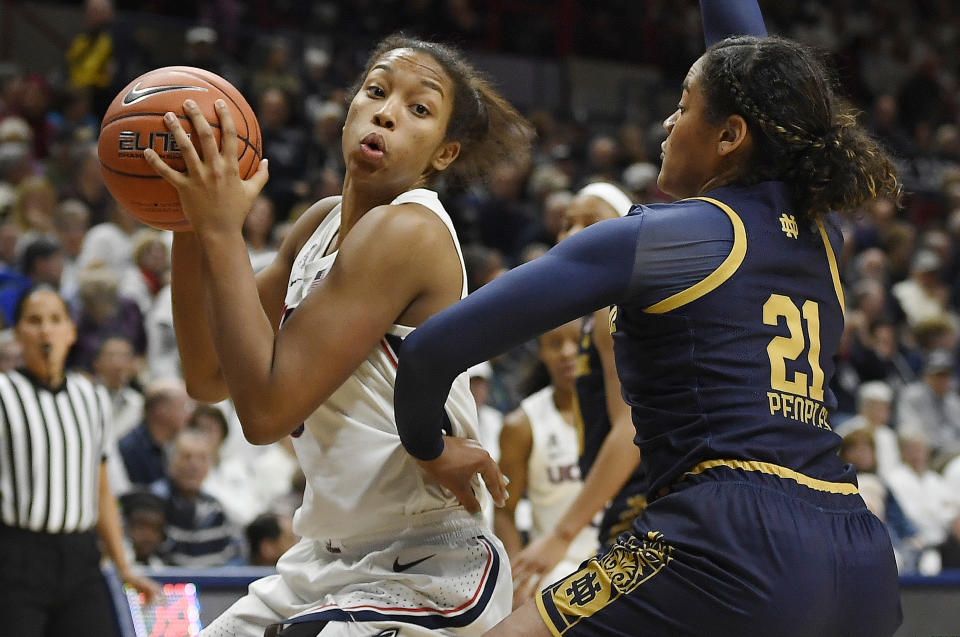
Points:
[(797, 395)]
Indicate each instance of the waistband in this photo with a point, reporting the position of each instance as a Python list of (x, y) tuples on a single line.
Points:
[(842, 488), (823, 494), (440, 527), (20, 533)]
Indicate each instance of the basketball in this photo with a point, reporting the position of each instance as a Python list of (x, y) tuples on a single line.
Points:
[(134, 122)]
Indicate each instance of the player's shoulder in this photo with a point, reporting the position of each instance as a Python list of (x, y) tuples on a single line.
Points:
[(406, 223)]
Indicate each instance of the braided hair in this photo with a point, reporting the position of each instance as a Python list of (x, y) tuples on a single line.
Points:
[(804, 134)]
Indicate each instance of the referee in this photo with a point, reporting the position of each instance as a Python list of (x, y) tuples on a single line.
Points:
[(54, 491)]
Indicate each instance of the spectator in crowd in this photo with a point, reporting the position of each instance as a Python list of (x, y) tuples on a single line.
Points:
[(34, 206), (285, 144), (71, 220), (257, 228), (151, 263), (115, 367), (162, 358), (198, 534), (87, 184), (100, 313), (858, 449), (923, 296), (144, 520), (874, 401), (269, 536), (90, 57), (230, 479), (490, 418), (277, 72), (922, 492), (932, 405), (40, 263), (166, 410), (876, 354), (202, 51)]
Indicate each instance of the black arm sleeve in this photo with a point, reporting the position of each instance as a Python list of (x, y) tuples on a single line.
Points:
[(586, 272), (724, 18)]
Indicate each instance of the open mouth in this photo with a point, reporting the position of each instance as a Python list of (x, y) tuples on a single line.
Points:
[(373, 145)]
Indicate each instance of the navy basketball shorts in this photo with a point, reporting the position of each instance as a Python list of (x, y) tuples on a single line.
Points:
[(737, 552)]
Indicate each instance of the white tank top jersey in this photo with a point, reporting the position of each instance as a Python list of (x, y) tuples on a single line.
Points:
[(553, 473), (360, 480)]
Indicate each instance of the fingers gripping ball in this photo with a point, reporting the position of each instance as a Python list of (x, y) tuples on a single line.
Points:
[(134, 122)]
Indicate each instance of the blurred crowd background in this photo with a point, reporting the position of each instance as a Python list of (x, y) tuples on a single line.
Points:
[(195, 493)]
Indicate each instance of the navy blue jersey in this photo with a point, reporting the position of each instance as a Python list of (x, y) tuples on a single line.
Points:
[(590, 407), (735, 366), (593, 425)]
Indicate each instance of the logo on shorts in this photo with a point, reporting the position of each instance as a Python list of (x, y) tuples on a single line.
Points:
[(399, 568), (389, 632), (135, 94)]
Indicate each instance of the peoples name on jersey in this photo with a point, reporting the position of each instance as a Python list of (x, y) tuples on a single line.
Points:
[(798, 408)]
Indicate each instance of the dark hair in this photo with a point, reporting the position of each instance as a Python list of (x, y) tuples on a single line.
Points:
[(41, 247), (488, 128), (212, 412), (134, 501), (804, 133), (265, 526), (40, 287)]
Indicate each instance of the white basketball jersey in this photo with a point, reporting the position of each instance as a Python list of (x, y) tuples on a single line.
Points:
[(553, 473), (360, 480)]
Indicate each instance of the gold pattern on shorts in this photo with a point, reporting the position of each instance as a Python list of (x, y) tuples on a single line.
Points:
[(625, 566)]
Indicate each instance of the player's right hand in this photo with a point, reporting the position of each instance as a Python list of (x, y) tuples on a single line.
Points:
[(455, 468), (535, 561), (211, 191)]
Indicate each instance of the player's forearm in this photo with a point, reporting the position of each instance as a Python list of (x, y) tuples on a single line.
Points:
[(200, 365), (241, 334), (506, 529), (725, 18), (591, 269), (616, 460)]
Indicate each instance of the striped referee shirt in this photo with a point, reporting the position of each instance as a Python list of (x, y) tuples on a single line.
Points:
[(52, 442)]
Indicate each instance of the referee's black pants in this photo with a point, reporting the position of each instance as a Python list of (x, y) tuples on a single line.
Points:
[(51, 585)]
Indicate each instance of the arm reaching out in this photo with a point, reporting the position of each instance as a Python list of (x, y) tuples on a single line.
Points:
[(724, 18), (586, 272)]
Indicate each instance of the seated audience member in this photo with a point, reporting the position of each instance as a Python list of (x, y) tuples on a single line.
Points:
[(166, 409), (490, 418), (198, 534), (933, 405), (102, 313), (873, 415), (269, 536), (148, 274), (921, 491), (115, 367), (230, 480), (144, 521), (859, 449), (163, 360), (40, 261)]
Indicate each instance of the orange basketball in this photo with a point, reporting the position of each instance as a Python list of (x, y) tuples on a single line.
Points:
[(134, 122)]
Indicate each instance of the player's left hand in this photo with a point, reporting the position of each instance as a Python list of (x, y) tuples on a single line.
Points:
[(151, 590), (212, 194), (455, 468)]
